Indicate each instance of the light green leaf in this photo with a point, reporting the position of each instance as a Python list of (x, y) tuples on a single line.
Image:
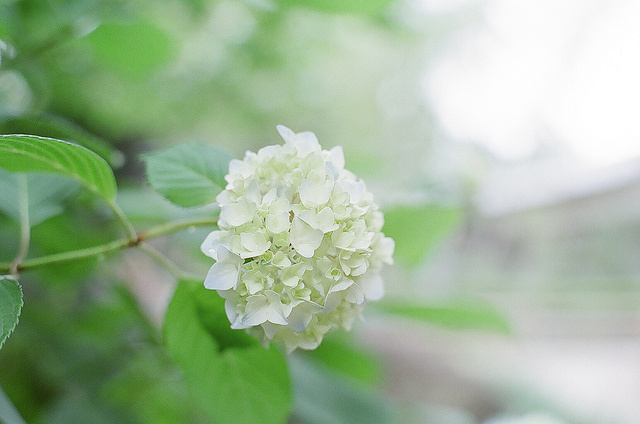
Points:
[(10, 306), (8, 412), (133, 50), (371, 8), (417, 228), (46, 194), (338, 352), (458, 315), (28, 153), (189, 174), (322, 397), (57, 127), (230, 375)]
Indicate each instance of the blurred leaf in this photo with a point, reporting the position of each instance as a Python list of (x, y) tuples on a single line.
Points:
[(189, 174), (8, 412), (134, 50), (76, 406), (45, 192), (371, 8), (230, 375), (338, 352), (27, 153), (321, 397), (457, 315), (152, 388), (10, 306), (72, 341), (416, 229), (59, 128), (69, 231)]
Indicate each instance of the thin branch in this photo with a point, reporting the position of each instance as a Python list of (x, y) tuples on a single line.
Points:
[(153, 232), (166, 262), (25, 226), (123, 219)]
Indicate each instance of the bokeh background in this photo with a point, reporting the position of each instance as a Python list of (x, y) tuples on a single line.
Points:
[(502, 137)]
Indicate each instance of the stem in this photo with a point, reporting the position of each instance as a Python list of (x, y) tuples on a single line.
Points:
[(123, 243), (123, 219), (166, 262), (25, 227)]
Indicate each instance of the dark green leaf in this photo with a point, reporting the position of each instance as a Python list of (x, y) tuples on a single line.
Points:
[(416, 229), (28, 153), (8, 412), (134, 50), (322, 397), (46, 194), (189, 174), (458, 315), (230, 375), (10, 306)]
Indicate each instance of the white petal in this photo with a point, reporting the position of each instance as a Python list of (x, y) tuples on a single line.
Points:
[(312, 195), (275, 314), (236, 214), (241, 167), (343, 240), (222, 276), (277, 223), (225, 197), (210, 244), (291, 281), (336, 157), (326, 220), (354, 188), (254, 243), (385, 249), (230, 308), (285, 133), (373, 285), (306, 142), (335, 295), (304, 238), (301, 315), (252, 193), (280, 260), (255, 311), (355, 294), (268, 198)]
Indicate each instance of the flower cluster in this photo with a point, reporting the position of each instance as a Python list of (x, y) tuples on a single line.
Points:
[(299, 246)]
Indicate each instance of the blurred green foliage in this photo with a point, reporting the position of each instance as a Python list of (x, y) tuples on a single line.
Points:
[(125, 77), (418, 228)]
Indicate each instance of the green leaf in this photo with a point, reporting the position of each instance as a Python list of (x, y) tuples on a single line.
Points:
[(417, 229), (8, 412), (458, 315), (60, 128), (189, 174), (371, 8), (10, 306), (28, 153), (338, 352), (46, 194), (134, 50), (322, 397), (230, 375)]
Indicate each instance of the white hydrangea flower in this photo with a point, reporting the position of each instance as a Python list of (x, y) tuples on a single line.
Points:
[(299, 246)]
